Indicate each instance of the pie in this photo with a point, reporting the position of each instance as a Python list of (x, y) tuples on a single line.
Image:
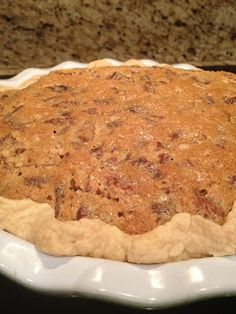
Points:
[(130, 163)]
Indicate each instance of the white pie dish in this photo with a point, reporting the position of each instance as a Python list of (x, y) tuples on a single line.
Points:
[(144, 286)]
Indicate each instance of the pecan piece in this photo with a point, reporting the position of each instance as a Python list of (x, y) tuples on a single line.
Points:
[(97, 152), (163, 158), (60, 88), (81, 212), (59, 195), (232, 180), (149, 166), (120, 182), (73, 185), (230, 100), (103, 101), (35, 181), (208, 208), (116, 76), (19, 151)]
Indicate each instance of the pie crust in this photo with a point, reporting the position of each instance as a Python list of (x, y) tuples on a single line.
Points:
[(185, 236)]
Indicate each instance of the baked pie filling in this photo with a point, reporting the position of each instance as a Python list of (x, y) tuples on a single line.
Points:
[(130, 146)]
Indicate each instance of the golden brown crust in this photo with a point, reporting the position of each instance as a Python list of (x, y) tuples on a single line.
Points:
[(138, 192), (183, 237)]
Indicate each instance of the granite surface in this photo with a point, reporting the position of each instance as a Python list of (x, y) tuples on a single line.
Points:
[(43, 33)]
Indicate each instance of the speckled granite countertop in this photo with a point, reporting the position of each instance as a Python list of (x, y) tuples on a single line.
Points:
[(43, 33)]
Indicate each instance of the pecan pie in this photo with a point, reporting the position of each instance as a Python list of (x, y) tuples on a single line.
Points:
[(130, 163)]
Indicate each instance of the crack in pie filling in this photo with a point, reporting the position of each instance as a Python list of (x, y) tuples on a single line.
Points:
[(128, 163)]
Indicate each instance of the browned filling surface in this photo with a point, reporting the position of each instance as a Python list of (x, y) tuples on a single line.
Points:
[(132, 146)]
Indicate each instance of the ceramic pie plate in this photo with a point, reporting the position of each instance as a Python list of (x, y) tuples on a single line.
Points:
[(144, 286)]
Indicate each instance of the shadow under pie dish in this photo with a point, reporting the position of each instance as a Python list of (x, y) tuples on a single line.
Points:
[(136, 163)]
